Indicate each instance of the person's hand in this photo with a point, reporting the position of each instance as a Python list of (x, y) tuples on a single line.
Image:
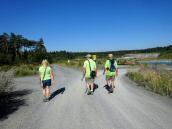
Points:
[(97, 73), (117, 73), (53, 82), (40, 82), (83, 77)]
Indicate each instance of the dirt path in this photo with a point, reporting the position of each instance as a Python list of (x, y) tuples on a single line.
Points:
[(129, 107)]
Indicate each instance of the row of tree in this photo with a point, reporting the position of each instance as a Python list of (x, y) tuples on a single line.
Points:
[(15, 49), (60, 55)]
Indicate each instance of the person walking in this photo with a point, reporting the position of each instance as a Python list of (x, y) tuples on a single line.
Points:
[(95, 60), (111, 70), (47, 78), (89, 72)]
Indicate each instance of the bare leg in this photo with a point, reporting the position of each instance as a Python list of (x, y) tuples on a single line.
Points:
[(109, 82), (44, 94), (106, 82), (47, 92), (92, 86), (43, 91), (113, 82), (88, 86)]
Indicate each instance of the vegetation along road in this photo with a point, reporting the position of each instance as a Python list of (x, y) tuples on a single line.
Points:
[(129, 107)]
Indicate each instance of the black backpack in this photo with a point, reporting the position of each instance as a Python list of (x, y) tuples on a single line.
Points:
[(92, 73), (112, 65)]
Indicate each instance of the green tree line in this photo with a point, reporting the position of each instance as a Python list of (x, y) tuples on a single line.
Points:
[(16, 49), (165, 52)]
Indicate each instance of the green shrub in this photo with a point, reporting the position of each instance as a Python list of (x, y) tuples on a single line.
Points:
[(5, 68), (21, 70), (6, 82), (26, 70)]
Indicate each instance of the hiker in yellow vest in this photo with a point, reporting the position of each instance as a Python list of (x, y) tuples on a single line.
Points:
[(89, 72), (46, 77), (111, 70)]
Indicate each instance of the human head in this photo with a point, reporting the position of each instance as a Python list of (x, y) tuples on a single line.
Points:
[(45, 63), (110, 56), (94, 57), (88, 56)]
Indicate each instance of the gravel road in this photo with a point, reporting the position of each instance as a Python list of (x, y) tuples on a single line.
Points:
[(129, 107)]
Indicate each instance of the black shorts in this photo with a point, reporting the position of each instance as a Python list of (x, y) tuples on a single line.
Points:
[(46, 83)]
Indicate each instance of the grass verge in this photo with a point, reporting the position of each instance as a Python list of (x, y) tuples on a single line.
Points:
[(21, 70), (76, 64), (157, 81), (26, 70)]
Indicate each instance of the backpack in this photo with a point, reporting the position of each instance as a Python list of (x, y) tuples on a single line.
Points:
[(92, 73), (112, 65)]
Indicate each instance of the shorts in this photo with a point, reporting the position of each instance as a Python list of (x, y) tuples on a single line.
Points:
[(46, 83), (110, 78), (89, 80)]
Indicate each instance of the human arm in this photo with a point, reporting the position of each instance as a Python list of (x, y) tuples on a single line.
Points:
[(96, 69), (39, 77), (117, 71), (52, 77), (84, 72), (105, 67), (104, 70)]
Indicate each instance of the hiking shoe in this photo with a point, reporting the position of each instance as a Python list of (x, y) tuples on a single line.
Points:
[(44, 99), (92, 92), (88, 92), (110, 90)]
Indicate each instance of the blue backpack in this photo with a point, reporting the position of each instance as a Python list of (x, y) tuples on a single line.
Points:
[(112, 65)]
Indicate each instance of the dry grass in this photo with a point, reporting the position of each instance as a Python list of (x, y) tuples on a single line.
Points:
[(77, 64), (6, 82), (26, 70), (21, 70), (157, 81)]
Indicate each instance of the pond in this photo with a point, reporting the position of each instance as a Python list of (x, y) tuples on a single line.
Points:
[(157, 62)]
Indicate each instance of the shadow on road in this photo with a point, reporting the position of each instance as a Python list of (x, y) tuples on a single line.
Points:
[(11, 102), (95, 86), (109, 89), (59, 91)]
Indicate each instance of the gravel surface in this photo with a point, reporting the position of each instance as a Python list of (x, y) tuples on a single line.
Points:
[(129, 107)]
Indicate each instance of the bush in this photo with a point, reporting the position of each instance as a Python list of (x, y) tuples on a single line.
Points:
[(21, 70), (6, 82), (156, 81), (77, 63), (26, 70), (5, 68)]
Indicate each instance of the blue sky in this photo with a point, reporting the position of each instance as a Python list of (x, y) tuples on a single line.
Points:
[(90, 25)]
